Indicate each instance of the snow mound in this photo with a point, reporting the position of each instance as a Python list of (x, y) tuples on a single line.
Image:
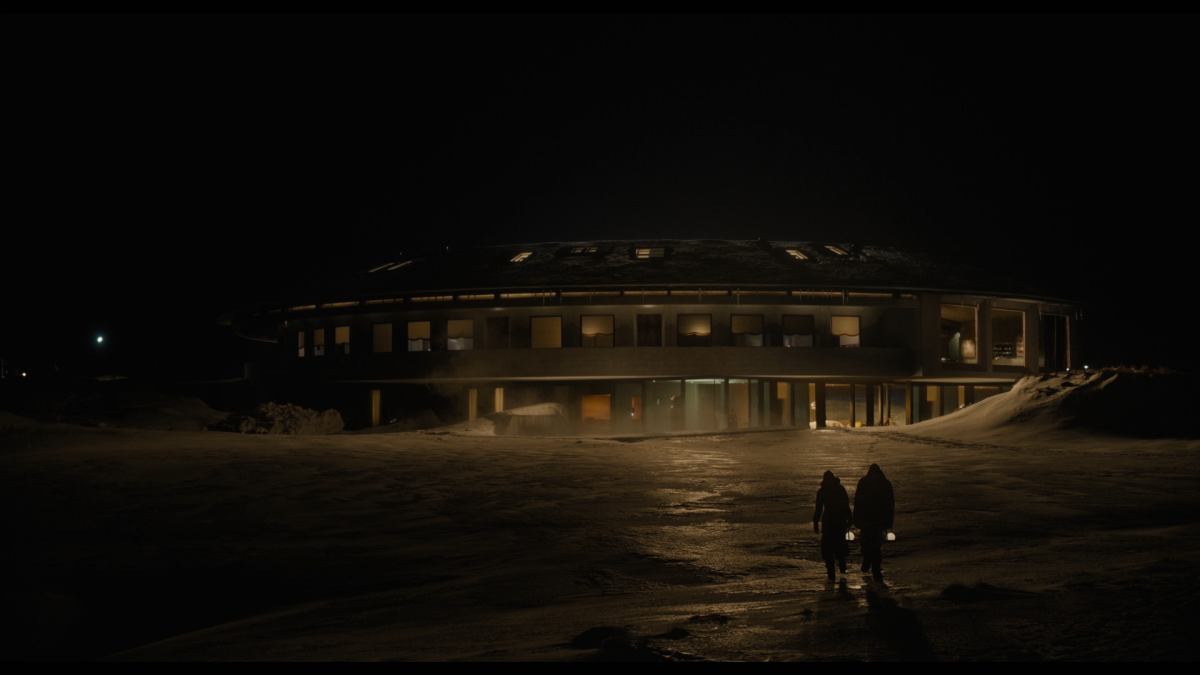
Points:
[(1124, 402), (426, 419), (541, 419), (282, 418)]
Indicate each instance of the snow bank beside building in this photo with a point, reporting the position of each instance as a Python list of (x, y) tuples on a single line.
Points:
[(1136, 403), (542, 419)]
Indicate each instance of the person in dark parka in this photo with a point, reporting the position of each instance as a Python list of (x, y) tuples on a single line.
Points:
[(831, 520), (874, 509)]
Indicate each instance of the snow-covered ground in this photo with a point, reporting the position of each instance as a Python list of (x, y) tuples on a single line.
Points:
[(1018, 540)]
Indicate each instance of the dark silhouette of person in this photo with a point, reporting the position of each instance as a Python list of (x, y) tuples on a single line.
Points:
[(874, 509), (831, 520)]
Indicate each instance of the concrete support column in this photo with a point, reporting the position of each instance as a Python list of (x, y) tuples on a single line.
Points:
[(820, 411), (853, 405), (908, 402), (870, 421)]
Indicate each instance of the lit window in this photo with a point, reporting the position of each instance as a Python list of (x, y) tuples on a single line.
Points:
[(747, 330), (433, 298), (584, 250), (846, 329), (319, 342), (478, 296), (695, 330), (523, 296), (382, 335), (379, 268), (545, 332), (329, 305), (796, 254), (399, 265), (301, 308), (418, 336), (958, 334), (1008, 337), (521, 257), (460, 334), (836, 250), (597, 331), (300, 344), (341, 338), (648, 253)]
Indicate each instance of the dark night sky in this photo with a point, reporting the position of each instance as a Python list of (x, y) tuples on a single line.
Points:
[(165, 170)]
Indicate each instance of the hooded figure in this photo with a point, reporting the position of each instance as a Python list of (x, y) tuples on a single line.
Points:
[(874, 508), (831, 520)]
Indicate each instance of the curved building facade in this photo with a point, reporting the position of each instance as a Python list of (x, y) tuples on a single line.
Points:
[(651, 336)]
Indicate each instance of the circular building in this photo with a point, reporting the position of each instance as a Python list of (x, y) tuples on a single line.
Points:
[(661, 335)]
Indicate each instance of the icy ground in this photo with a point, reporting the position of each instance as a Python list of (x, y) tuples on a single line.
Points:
[(156, 545)]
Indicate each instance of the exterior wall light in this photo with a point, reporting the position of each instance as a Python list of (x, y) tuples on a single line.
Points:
[(100, 339)]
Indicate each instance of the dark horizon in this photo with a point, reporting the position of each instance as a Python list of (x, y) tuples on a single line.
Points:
[(170, 169)]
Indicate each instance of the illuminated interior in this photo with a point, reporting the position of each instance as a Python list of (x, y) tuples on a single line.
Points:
[(747, 330), (596, 331), (419, 336), (959, 340), (521, 257), (845, 330), (648, 253), (1008, 337), (695, 330), (341, 338), (460, 334), (796, 254)]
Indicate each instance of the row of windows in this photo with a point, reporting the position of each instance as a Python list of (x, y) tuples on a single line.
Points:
[(546, 332)]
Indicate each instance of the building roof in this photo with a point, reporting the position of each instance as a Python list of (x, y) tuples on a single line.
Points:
[(685, 263)]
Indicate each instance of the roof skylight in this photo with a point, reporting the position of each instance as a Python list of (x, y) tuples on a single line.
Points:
[(835, 249), (399, 265), (521, 257), (584, 250), (796, 254), (648, 253)]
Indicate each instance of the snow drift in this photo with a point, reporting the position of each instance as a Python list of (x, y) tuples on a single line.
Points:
[(285, 418), (542, 419), (1125, 402)]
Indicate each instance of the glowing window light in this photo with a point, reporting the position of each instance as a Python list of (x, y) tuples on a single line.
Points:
[(387, 264), (588, 294), (521, 257), (796, 254), (383, 301), (648, 253), (695, 325), (870, 295), (301, 308), (399, 265), (433, 298), (835, 249), (582, 250), (645, 293), (523, 296), (328, 305), (477, 296)]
